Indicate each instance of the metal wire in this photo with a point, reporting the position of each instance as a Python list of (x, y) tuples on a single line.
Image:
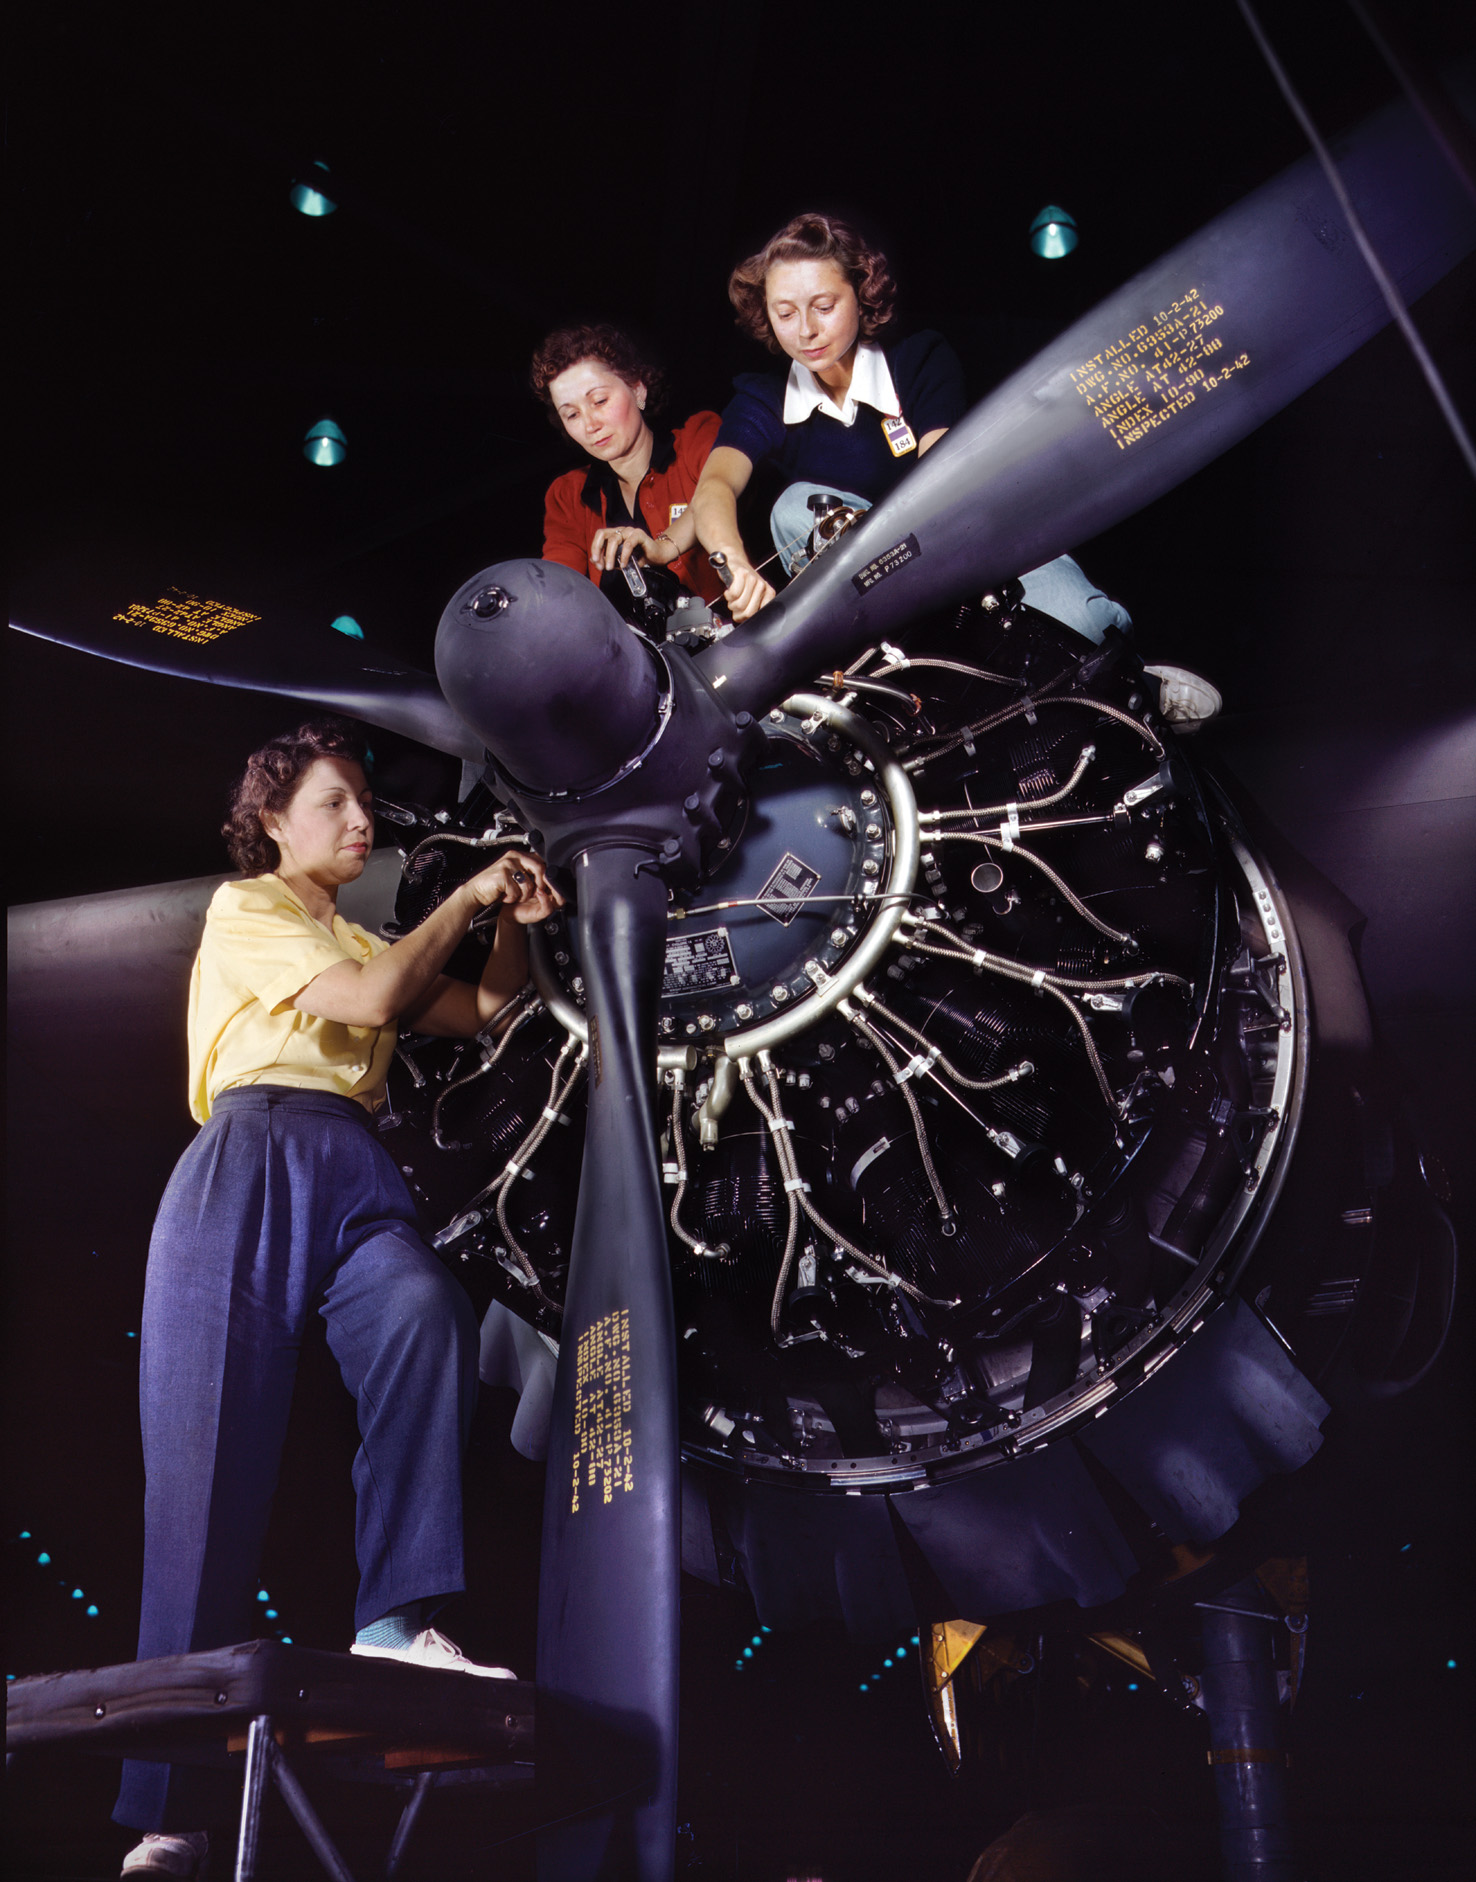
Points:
[(1393, 299)]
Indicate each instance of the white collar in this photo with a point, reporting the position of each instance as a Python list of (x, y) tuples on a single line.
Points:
[(871, 384)]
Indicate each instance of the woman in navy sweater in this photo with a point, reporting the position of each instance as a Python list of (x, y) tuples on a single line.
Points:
[(850, 418), (852, 415)]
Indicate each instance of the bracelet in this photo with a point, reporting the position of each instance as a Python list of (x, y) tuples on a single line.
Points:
[(663, 537)]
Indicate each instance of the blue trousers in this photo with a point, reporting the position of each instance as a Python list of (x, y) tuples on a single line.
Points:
[(286, 1203), (1059, 588)]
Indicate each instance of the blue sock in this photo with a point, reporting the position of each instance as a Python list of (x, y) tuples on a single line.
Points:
[(398, 1628)]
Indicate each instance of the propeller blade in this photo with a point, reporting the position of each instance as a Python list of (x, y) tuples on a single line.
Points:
[(259, 646), (608, 1589), (1160, 379)]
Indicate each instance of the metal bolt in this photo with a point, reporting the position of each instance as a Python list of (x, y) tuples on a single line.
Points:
[(838, 937), (776, 716), (868, 798), (1154, 852), (780, 993), (706, 1021), (870, 868), (873, 831), (743, 1010), (488, 602)]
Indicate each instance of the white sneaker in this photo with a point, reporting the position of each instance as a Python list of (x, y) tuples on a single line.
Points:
[(168, 1855), (431, 1648), (1185, 699)]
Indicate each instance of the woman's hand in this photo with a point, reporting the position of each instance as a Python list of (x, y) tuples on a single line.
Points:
[(747, 591), (517, 883), (613, 548)]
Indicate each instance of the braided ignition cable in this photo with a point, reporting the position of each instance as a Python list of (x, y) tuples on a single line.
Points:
[(903, 1081), (780, 1127), (716, 1252), (944, 744), (1088, 753), (558, 1096), (1016, 1072), (523, 1007), (1029, 977), (1057, 881)]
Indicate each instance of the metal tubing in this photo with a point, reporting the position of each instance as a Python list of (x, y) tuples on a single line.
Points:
[(1240, 1701), (296, 1799), (259, 1749), (409, 1817)]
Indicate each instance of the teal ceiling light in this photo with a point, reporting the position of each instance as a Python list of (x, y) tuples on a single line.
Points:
[(325, 444), (346, 624), (1053, 233), (308, 201)]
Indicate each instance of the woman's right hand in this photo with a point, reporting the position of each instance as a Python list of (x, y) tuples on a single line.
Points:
[(514, 879), (747, 591), (613, 548)]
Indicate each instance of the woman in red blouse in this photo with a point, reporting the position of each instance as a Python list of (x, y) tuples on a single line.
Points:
[(635, 497)]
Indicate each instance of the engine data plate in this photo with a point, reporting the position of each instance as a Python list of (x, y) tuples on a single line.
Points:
[(697, 962), (788, 888)]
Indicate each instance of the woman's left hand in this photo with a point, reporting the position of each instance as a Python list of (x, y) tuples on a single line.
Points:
[(613, 548)]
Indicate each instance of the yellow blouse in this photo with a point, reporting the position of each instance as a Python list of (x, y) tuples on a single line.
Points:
[(261, 947)]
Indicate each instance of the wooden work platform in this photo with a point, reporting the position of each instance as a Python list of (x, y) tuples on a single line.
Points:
[(268, 1710)]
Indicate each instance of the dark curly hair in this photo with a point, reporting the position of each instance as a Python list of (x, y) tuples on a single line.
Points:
[(814, 238), (569, 345), (271, 776)]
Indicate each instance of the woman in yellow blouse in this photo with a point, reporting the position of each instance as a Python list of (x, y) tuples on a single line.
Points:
[(287, 1204)]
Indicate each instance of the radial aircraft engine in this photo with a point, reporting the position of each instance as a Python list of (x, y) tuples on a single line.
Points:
[(891, 1144)]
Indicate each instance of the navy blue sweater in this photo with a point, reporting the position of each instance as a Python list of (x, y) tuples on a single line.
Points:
[(856, 458)]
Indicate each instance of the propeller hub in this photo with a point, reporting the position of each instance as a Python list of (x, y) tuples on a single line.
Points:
[(600, 738), (543, 669)]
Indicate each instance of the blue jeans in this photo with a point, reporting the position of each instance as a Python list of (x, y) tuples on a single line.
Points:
[(286, 1203), (1059, 588)]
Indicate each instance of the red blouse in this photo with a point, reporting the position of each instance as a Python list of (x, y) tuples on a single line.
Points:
[(576, 505)]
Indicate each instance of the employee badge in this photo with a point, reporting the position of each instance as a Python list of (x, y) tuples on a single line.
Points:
[(898, 434)]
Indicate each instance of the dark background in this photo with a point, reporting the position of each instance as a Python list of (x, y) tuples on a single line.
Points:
[(176, 330)]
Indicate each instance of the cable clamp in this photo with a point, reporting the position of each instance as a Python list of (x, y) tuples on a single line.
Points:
[(551, 1114), (920, 1063), (671, 1173), (777, 1124), (513, 1168), (1037, 979), (794, 1183), (895, 656)]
